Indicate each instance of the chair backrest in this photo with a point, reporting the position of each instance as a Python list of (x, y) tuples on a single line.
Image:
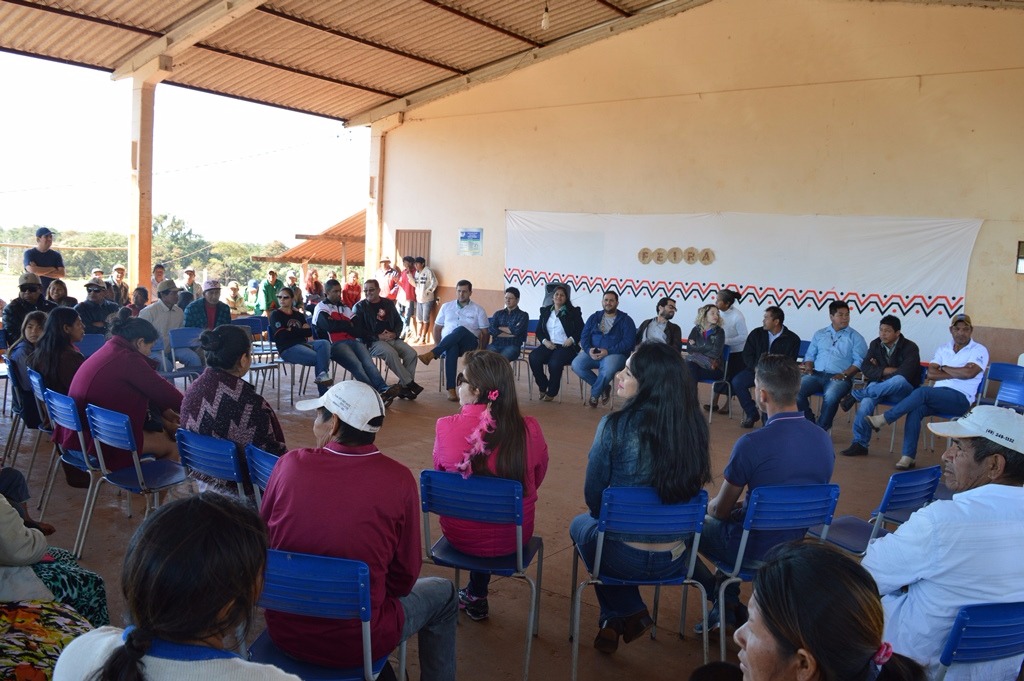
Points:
[(211, 456), (910, 489), (725, 361), (35, 379), (256, 325), (12, 372), (481, 498), (788, 507), (1011, 393), (90, 343), (639, 510), (64, 413), (261, 464), (184, 337), (319, 586), (114, 429), (985, 632), (805, 345), (1003, 371)]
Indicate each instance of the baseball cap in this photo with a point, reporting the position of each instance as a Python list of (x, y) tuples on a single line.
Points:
[(97, 269), (96, 282), (960, 318), (118, 266), (189, 269), (233, 284), (211, 285), (292, 274), (43, 231), (29, 279), (385, 259), (353, 402), (166, 285), (1000, 425)]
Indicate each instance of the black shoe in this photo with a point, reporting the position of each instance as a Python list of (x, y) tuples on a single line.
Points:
[(607, 640), (415, 387), (606, 394), (847, 402), (856, 449), (636, 625), (748, 422), (406, 393), (592, 402)]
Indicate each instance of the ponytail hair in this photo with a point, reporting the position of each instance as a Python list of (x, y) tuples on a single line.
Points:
[(491, 374), (124, 325)]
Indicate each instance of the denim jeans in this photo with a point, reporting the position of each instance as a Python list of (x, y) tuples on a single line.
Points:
[(398, 356), (353, 355), (555, 359), (832, 390), (619, 559), (715, 544), (925, 401), (455, 345), (431, 612), (509, 352), (584, 366), (318, 356), (895, 388), (742, 383)]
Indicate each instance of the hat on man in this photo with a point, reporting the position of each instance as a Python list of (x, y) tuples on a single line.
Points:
[(165, 286), (385, 259), (43, 231), (353, 402), (189, 270), (211, 285), (998, 424), (271, 271), (96, 282), (117, 267), (233, 285), (961, 318), (29, 279), (292, 274), (97, 269)]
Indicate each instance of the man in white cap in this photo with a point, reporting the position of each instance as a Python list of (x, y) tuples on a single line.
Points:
[(120, 288), (96, 309), (43, 261), (191, 285), (330, 500), (164, 314), (208, 312), (962, 551), (387, 277), (30, 297)]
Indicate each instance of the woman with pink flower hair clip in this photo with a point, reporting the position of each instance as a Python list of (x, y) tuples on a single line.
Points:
[(489, 436)]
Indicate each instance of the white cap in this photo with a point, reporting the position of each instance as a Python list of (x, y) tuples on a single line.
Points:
[(353, 402), (1000, 425)]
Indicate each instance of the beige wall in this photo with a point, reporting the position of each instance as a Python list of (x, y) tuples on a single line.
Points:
[(839, 107)]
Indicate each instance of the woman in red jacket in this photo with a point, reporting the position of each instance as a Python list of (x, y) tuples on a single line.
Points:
[(121, 376), (489, 437)]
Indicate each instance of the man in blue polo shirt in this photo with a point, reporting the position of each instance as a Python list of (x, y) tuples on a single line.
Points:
[(833, 358), (43, 261), (788, 450)]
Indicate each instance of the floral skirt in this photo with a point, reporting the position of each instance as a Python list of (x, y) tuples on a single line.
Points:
[(75, 586), (32, 636)]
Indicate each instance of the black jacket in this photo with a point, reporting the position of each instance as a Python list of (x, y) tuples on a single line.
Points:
[(906, 358), (673, 334), (788, 343), (572, 323)]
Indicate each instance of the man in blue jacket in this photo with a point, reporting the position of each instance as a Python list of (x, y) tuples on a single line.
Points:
[(607, 341)]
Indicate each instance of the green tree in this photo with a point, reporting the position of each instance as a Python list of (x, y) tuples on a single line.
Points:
[(176, 246)]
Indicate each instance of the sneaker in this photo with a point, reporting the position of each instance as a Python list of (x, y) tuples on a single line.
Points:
[(544, 397), (905, 463), (735, 617), (748, 422), (847, 402), (426, 357), (592, 402), (877, 421), (453, 395), (322, 377), (606, 394), (856, 449), (474, 606)]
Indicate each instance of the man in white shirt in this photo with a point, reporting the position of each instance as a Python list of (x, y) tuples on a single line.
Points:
[(963, 551), (458, 329), (426, 284), (165, 315), (957, 368)]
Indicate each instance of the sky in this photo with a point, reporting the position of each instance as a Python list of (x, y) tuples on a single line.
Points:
[(231, 170)]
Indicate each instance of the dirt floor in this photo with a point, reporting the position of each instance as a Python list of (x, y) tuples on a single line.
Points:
[(493, 649)]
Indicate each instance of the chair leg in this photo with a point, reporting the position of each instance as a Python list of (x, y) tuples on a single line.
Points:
[(572, 587), (35, 450), (657, 601), (540, 571), (531, 622), (90, 501), (574, 627), (721, 615), (15, 421), (51, 474)]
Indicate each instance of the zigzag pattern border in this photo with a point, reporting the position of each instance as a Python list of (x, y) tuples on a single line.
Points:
[(760, 295)]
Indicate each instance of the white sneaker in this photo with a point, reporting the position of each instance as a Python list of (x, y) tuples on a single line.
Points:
[(323, 377), (905, 463)]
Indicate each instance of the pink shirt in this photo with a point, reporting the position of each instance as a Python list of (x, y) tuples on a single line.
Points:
[(486, 539)]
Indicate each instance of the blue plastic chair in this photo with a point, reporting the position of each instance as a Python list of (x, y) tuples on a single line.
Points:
[(212, 456), (639, 510), (171, 374), (488, 500), (38, 392), (260, 348), (1001, 372), (805, 345), (261, 464), (1010, 395), (907, 491), (17, 430), (148, 478), (90, 343), (318, 586), (984, 632), (64, 412), (778, 507), (715, 381)]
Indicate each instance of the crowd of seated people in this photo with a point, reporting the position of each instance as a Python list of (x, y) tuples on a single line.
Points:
[(641, 364)]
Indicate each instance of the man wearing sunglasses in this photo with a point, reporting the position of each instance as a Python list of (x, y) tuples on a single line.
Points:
[(30, 297), (43, 261), (95, 309)]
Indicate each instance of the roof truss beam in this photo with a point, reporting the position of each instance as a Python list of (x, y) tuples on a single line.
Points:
[(185, 34), (486, 24)]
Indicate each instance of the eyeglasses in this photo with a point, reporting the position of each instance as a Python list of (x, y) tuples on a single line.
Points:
[(29, 289), (461, 378), (94, 290), (284, 297)]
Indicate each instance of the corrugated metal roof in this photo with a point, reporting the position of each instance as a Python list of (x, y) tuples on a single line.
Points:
[(327, 251), (354, 60)]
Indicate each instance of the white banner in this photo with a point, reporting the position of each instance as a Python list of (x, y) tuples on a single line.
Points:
[(914, 268)]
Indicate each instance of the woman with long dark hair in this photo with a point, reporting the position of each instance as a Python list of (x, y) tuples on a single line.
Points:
[(658, 439), (558, 333), (56, 358), (191, 578), (18, 357), (122, 377), (314, 289), (489, 436), (815, 615), (57, 293)]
